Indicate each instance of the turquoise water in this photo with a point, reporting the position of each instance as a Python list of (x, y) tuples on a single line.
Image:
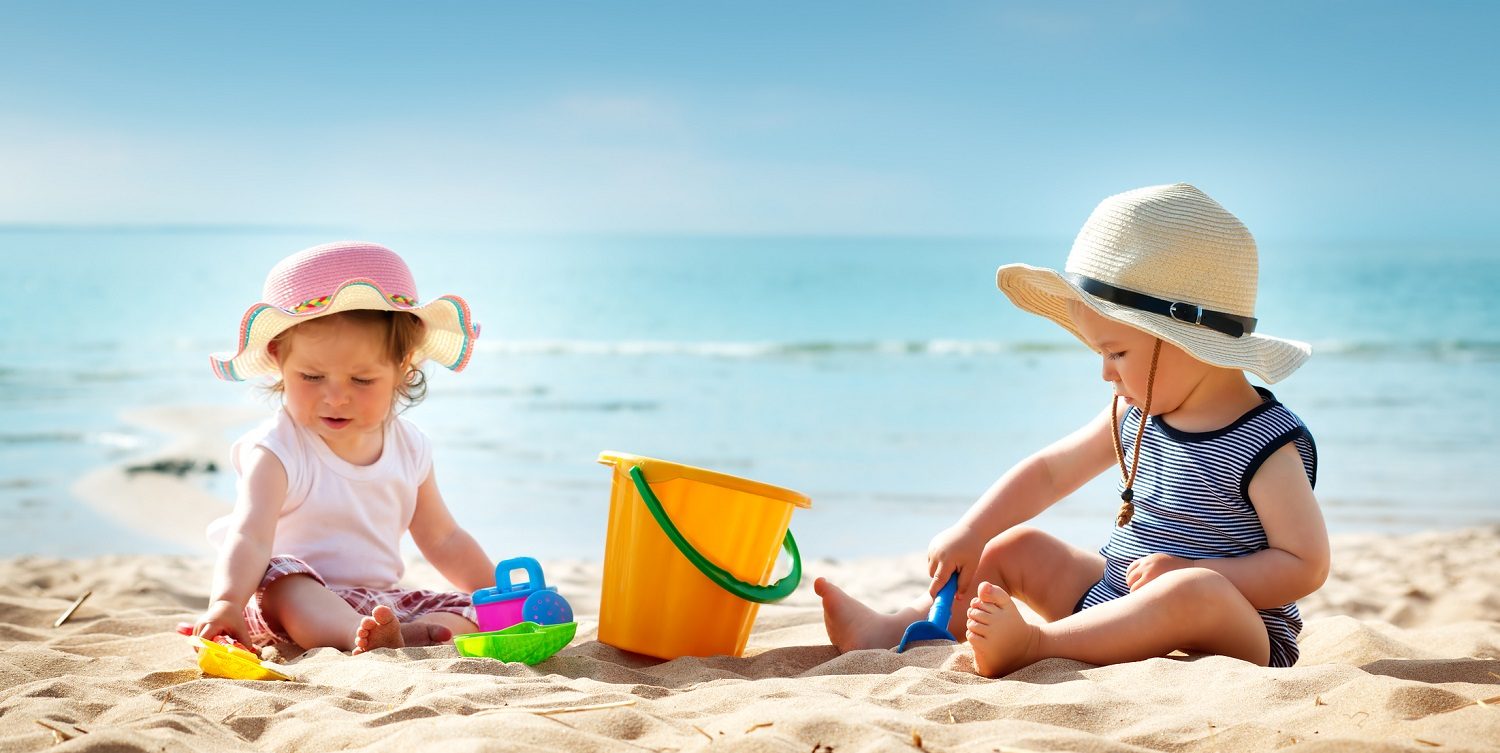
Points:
[(885, 378)]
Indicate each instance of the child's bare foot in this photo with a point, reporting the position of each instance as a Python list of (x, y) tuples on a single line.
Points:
[(382, 630), (379, 630), (852, 625), (1003, 642)]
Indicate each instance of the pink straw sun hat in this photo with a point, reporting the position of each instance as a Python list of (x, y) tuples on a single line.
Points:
[(345, 276), (1171, 262)]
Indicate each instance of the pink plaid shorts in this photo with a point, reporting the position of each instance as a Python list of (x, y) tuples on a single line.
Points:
[(408, 604)]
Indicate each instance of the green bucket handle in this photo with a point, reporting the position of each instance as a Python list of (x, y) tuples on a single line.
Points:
[(721, 577)]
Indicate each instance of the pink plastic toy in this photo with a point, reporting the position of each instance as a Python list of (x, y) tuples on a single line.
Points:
[(510, 603)]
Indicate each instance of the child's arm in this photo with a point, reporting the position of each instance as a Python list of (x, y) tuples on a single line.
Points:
[(1295, 565), (1025, 490), (448, 547), (247, 545)]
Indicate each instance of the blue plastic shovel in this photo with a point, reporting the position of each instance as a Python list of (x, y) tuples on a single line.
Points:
[(935, 627)]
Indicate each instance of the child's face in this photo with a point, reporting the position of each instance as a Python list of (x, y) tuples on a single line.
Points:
[(340, 384), (1126, 358)]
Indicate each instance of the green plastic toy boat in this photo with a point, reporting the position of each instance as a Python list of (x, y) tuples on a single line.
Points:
[(525, 642)]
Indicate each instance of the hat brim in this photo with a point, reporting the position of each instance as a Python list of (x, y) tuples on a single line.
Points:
[(448, 336), (1046, 292)]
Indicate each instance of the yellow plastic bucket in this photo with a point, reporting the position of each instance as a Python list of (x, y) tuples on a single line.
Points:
[(688, 557)]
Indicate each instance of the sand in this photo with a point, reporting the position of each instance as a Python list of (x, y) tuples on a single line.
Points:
[(1401, 652)]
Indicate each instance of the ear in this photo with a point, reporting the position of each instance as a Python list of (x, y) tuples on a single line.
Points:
[(271, 348)]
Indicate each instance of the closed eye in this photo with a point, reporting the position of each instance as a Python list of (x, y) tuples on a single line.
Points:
[(312, 377), (363, 382)]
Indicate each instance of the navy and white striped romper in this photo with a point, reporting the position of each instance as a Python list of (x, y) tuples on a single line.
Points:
[(1192, 500)]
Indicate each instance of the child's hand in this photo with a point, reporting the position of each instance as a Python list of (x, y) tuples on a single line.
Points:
[(1151, 567), (223, 618), (956, 548)]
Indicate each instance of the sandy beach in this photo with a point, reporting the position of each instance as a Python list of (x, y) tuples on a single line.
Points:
[(1401, 652)]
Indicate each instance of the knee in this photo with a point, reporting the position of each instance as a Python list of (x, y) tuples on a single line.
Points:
[(1013, 549), (1012, 542)]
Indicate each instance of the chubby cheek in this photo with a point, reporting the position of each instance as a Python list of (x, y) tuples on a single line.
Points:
[(1166, 396), (1134, 383), (297, 395), (376, 404)]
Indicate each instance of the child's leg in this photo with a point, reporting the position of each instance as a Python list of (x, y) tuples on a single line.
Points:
[(1045, 572), (454, 624), (309, 613), (313, 616), (1194, 609)]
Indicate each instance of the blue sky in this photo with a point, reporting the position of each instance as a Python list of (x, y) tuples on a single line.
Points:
[(1308, 119)]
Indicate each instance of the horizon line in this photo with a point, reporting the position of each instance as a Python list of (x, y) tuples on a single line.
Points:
[(252, 228)]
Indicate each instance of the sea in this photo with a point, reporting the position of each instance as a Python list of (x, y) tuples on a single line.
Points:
[(886, 378)]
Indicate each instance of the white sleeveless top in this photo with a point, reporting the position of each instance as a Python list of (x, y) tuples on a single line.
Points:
[(344, 520)]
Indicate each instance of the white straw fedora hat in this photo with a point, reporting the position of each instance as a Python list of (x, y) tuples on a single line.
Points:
[(345, 276), (1167, 260)]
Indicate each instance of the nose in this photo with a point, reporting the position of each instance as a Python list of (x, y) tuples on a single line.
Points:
[(335, 394), (1107, 370)]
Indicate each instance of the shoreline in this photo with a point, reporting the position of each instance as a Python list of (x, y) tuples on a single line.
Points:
[(164, 505)]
